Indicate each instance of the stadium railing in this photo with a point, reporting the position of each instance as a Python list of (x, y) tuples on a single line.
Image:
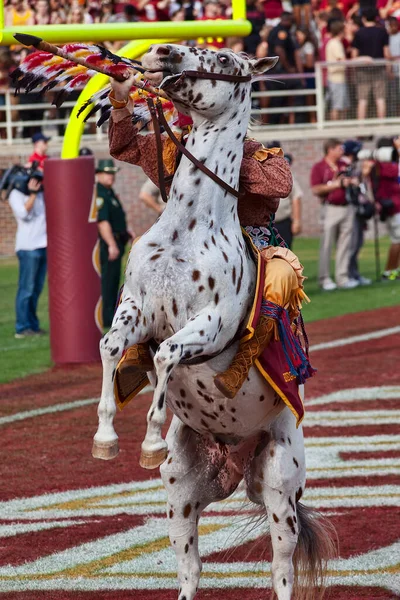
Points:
[(285, 102)]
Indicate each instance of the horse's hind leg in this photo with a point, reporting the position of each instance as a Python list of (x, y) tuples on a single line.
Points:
[(127, 329), (193, 480), (277, 481)]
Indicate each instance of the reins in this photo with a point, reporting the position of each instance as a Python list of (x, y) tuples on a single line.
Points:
[(159, 120)]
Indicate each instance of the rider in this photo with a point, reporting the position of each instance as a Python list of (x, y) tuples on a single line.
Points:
[(264, 178)]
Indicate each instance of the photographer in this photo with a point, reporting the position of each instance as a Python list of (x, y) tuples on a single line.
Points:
[(387, 193), (329, 181), (27, 203), (360, 196)]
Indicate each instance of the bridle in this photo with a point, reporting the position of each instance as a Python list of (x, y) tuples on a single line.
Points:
[(159, 120)]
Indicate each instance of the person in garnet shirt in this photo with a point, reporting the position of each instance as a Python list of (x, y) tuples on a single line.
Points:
[(328, 181), (39, 155)]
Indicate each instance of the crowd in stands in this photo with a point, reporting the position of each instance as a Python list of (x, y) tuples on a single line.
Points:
[(300, 32)]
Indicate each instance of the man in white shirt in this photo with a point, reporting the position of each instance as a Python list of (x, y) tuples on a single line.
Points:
[(30, 246)]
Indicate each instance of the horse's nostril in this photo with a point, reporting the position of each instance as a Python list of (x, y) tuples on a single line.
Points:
[(163, 50)]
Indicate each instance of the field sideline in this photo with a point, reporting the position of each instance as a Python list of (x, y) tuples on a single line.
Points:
[(24, 357)]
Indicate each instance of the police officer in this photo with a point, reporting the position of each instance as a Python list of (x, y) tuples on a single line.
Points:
[(111, 223)]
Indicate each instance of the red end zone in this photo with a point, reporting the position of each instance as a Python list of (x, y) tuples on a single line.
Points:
[(75, 528)]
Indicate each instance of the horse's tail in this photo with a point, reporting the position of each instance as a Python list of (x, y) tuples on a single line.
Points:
[(317, 543)]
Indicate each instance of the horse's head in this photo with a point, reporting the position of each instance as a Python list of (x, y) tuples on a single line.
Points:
[(203, 81)]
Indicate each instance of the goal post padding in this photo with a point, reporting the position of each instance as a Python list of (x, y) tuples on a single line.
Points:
[(74, 283)]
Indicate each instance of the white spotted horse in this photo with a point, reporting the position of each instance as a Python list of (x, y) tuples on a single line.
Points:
[(189, 286)]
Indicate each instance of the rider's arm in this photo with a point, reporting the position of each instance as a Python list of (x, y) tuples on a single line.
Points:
[(270, 178), (128, 145)]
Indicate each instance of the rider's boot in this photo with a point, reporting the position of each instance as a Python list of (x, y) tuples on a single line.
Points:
[(137, 358), (230, 381)]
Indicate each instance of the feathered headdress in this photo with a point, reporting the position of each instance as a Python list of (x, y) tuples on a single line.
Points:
[(72, 66)]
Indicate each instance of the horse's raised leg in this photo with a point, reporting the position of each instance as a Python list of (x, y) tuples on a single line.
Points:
[(127, 329), (278, 480), (199, 336), (194, 477)]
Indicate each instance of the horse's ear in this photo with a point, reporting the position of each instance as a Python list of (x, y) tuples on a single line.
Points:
[(262, 65)]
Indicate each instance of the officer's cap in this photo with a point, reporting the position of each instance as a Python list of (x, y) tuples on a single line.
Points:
[(106, 165)]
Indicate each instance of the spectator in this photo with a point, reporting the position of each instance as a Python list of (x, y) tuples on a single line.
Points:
[(178, 14), (42, 12), (337, 86), (257, 19), (129, 14), (57, 13), (113, 235), (288, 215), (329, 183), (281, 43), (105, 13), (394, 37), (302, 12), (393, 82), (389, 9), (273, 10), (85, 151), (39, 155), (372, 42), (388, 196), (30, 246), (212, 11), (361, 197), (150, 196), (18, 14), (78, 14), (307, 52)]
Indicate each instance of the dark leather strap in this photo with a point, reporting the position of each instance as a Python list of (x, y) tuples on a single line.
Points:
[(160, 161), (190, 156)]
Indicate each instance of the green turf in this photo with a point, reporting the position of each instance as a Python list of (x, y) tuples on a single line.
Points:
[(341, 302), (32, 355)]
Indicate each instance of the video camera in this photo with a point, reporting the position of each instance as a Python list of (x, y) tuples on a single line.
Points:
[(17, 178)]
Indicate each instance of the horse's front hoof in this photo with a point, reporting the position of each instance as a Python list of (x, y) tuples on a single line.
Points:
[(105, 450), (152, 459)]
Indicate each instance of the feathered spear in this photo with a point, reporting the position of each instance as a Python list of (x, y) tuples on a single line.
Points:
[(72, 66)]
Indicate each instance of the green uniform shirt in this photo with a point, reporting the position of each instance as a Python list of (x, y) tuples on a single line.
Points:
[(109, 209)]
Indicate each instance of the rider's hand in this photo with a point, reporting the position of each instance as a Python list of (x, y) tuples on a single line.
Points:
[(121, 89), (113, 252)]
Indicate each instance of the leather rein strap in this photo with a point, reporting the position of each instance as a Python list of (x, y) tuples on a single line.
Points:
[(160, 162), (158, 119)]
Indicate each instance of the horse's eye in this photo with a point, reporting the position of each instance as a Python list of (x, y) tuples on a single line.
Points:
[(223, 60)]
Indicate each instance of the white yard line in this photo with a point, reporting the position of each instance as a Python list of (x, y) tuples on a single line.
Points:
[(38, 412), (364, 337), (79, 403)]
